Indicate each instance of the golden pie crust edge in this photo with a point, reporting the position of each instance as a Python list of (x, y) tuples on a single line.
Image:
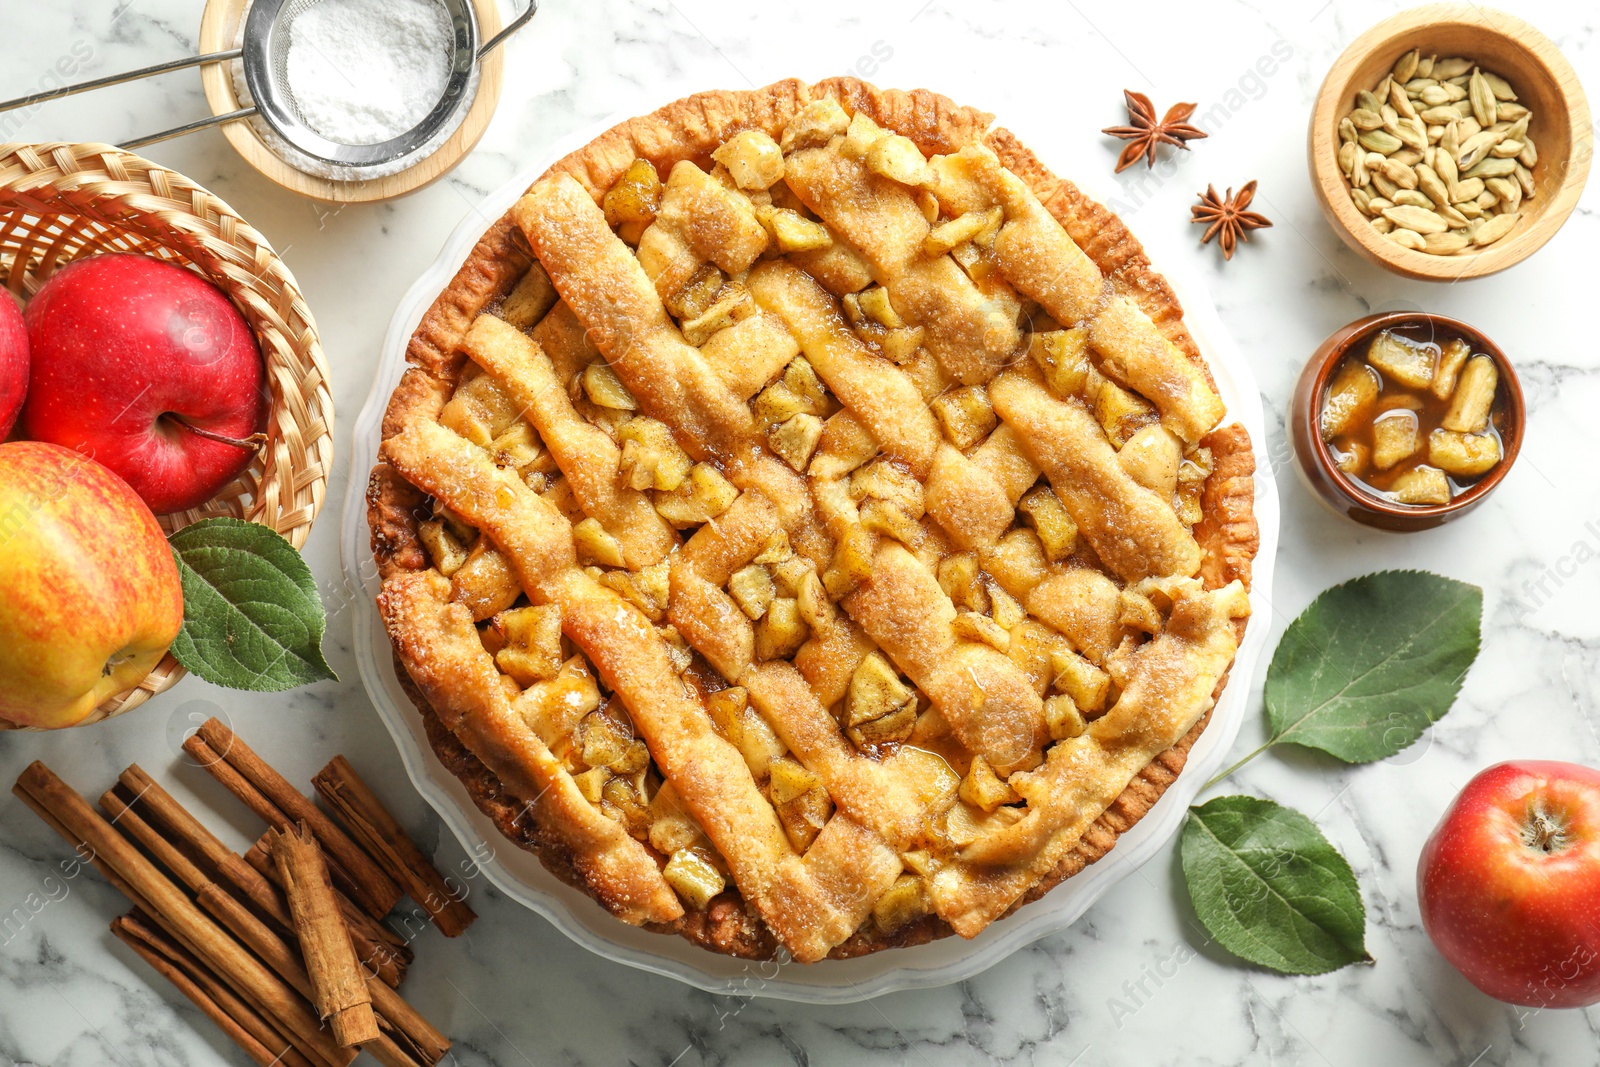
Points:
[(689, 129)]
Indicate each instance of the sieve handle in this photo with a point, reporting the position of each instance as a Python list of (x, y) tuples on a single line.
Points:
[(190, 127), (511, 27), (132, 75)]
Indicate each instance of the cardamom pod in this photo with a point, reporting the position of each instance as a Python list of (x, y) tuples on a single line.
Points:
[(1482, 97), (1420, 219), (1525, 179), (1499, 87), (1407, 239), (1451, 141), (1506, 190), (1431, 184), (1444, 164), (1406, 66), (1378, 141), (1492, 168), (1402, 175), (1494, 229), (1401, 101)]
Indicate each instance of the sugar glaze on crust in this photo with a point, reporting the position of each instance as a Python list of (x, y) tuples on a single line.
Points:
[(689, 130)]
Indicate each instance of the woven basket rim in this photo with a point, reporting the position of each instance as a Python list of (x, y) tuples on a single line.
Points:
[(62, 200)]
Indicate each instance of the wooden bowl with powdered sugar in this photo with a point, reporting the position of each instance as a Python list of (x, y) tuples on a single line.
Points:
[(219, 30)]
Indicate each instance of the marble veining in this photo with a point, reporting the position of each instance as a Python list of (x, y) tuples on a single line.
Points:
[(1135, 981)]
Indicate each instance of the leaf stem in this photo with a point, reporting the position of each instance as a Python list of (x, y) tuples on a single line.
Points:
[(1248, 757)]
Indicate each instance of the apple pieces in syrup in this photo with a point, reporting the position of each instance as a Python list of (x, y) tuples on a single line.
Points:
[(1413, 421)]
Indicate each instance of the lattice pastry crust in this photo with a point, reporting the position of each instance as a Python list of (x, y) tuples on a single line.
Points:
[(805, 522)]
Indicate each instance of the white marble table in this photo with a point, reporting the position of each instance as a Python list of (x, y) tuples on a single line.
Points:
[(1132, 983)]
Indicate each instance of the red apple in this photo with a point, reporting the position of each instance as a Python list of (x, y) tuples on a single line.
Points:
[(149, 369), (13, 363), (89, 591), (1510, 883)]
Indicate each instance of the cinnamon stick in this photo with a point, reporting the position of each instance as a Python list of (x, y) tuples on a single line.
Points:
[(338, 989), (164, 852), (213, 764), (408, 1038), (251, 1031), (150, 890), (364, 815), (270, 795), (378, 947), (385, 941)]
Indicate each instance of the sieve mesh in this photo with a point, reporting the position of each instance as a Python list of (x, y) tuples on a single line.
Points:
[(279, 57), (265, 63)]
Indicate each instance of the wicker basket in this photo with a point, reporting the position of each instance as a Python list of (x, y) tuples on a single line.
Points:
[(61, 201)]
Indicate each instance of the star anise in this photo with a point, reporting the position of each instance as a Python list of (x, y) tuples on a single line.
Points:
[(1146, 132), (1230, 222)]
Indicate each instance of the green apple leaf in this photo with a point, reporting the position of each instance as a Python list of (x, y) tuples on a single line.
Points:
[(1270, 888), (252, 618), (1372, 663)]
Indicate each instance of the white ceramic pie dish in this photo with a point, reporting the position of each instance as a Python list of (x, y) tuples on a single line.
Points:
[(520, 876)]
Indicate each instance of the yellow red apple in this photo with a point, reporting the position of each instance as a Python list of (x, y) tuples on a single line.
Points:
[(89, 592), (149, 369), (1509, 883)]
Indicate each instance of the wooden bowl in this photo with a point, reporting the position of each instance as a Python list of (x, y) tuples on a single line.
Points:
[(61, 202), (1502, 44), (219, 30), (1334, 487)]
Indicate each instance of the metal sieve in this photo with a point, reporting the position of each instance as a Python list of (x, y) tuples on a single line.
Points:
[(263, 55)]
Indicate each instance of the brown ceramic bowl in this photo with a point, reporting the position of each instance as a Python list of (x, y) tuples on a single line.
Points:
[(1348, 497), (1503, 44)]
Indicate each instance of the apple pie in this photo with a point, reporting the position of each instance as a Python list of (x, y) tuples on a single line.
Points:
[(807, 524)]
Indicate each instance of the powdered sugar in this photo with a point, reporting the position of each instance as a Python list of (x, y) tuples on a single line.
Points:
[(365, 71)]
